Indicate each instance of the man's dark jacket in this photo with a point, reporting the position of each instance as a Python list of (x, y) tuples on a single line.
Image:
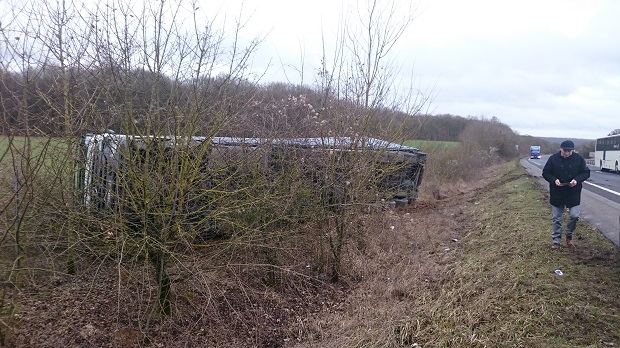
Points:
[(565, 169)]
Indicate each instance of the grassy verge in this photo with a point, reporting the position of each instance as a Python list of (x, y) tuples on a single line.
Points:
[(472, 268), (505, 291), (478, 271)]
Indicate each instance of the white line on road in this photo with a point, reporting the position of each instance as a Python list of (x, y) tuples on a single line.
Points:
[(537, 164), (602, 188)]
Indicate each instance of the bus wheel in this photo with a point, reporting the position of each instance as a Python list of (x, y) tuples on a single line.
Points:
[(616, 169), (601, 165)]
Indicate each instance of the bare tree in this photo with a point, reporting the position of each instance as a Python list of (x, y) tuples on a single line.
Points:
[(155, 69), (157, 75), (377, 27), (355, 81)]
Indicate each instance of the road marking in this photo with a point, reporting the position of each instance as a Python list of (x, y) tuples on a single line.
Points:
[(535, 163), (602, 188)]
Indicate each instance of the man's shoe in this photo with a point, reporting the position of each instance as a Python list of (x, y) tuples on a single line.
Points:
[(555, 246), (569, 241)]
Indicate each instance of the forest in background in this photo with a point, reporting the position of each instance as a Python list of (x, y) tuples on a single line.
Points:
[(260, 111)]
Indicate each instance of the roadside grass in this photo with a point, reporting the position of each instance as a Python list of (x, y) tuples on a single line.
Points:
[(470, 266), (477, 271), (507, 292)]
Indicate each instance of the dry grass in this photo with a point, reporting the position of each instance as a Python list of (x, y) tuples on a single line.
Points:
[(468, 265), (476, 270)]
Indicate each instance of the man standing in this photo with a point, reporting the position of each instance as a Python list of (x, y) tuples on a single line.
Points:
[(565, 171)]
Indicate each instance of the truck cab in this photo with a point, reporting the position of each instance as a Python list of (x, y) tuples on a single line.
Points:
[(535, 152)]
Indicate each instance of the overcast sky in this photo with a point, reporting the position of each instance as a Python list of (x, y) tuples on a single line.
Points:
[(544, 67)]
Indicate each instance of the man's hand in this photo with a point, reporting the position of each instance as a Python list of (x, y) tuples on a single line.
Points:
[(572, 183)]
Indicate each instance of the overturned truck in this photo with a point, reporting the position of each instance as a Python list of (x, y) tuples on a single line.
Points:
[(209, 182)]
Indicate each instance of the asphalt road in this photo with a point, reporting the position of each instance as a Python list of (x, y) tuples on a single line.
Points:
[(600, 198)]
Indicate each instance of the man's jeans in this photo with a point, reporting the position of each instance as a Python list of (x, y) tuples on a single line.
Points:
[(573, 217)]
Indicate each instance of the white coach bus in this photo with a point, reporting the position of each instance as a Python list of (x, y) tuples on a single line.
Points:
[(607, 154), (104, 155)]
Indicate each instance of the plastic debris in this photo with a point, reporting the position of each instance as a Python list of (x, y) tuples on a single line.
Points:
[(559, 272)]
